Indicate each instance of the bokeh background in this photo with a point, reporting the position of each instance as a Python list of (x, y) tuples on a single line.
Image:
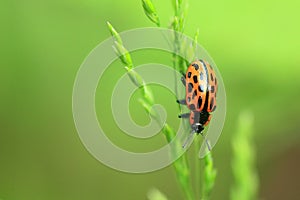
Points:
[(255, 44)]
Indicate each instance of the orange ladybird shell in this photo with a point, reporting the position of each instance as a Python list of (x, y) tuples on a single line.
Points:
[(201, 87)]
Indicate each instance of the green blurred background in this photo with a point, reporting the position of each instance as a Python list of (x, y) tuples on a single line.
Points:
[(255, 44)]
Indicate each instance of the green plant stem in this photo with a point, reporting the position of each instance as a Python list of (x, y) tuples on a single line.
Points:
[(181, 165), (209, 176), (150, 11), (243, 164), (147, 101), (197, 167), (179, 65)]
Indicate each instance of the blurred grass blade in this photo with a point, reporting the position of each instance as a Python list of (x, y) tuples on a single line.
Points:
[(123, 54), (181, 166), (190, 50), (114, 33), (120, 50), (148, 107), (150, 11), (243, 164), (135, 77), (210, 174), (155, 194), (195, 41), (178, 4), (175, 23), (147, 101)]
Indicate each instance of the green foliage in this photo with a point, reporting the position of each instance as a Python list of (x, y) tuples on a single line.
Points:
[(155, 194), (181, 164), (114, 33), (182, 169), (189, 50), (243, 164), (120, 50), (150, 11), (177, 8), (44, 42), (178, 27), (210, 174), (125, 57)]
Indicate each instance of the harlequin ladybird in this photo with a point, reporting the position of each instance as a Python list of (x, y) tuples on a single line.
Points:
[(201, 89)]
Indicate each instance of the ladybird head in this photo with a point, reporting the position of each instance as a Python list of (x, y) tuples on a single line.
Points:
[(197, 127)]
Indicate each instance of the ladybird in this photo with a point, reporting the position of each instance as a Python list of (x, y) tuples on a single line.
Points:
[(201, 92)]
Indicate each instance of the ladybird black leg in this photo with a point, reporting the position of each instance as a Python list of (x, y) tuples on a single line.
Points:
[(183, 80), (189, 139), (184, 115), (182, 101)]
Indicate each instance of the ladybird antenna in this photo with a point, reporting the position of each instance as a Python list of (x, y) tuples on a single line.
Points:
[(188, 140)]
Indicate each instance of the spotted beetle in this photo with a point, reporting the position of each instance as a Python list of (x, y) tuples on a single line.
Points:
[(201, 92)]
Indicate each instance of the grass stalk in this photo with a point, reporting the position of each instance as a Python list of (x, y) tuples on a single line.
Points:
[(210, 174), (181, 165), (150, 11), (243, 163), (197, 167), (147, 101)]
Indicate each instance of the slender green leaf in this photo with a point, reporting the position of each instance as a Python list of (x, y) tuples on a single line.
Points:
[(150, 11), (210, 174), (114, 33)]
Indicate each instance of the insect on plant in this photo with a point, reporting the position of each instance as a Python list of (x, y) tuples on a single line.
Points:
[(200, 83), (201, 89)]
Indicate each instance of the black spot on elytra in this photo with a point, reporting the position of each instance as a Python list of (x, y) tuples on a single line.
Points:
[(189, 74), (201, 88), (195, 66), (211, 77), (195, 79), (212, 102), (189, 99), (194, 94), (192, 107), (201, 76), (212, 89), (190, 87), (199, 102), (206, 102)]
